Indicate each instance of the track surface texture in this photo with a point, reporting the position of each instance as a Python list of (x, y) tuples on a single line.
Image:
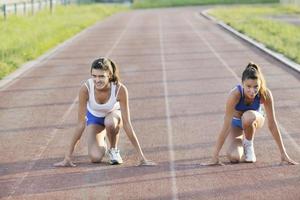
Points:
[(179, 68)]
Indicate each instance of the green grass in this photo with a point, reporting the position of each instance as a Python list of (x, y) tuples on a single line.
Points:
[(170, 3), (24, 38), (256, 22)]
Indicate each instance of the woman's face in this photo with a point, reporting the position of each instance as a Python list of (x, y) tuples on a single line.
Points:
[(251, 87), (100, 78)]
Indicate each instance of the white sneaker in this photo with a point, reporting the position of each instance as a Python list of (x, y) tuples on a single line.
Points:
[(115, 157), (249, 151)]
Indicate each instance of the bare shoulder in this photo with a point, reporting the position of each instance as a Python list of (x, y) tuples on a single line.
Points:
[(234, 94), (268, 92), (123, 90), (232, 100), (83, 91), (269, 96)]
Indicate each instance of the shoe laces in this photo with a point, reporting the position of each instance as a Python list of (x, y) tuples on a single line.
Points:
[(249, 149), (114, 152)]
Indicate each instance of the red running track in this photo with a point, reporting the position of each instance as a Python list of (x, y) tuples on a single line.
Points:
[(179, 68)]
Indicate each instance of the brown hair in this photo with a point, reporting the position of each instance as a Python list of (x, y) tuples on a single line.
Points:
[(107, 64), (253, 71)]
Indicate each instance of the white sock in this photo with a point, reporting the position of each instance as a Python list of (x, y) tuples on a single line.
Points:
[(248, 142)]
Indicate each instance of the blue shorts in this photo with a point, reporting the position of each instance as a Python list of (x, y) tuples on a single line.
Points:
[(236, 122), (91, 119)]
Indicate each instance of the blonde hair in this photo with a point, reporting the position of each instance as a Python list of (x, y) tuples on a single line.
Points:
[(253, 71)]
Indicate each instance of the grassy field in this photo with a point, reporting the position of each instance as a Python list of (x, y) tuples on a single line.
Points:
[(24, 38), (169, 3), (263, 24)]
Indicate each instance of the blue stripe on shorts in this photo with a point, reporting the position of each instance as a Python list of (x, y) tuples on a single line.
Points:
[(236, 122), (91, 119)]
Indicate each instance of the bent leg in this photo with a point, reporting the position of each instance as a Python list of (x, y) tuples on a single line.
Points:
[(235, 151), (96, 142), (113, 123), (252, 120)]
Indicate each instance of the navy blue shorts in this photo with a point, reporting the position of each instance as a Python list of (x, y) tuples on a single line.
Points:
[(236, 122), (91, 119)]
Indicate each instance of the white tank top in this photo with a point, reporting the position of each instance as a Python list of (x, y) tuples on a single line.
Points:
[(101, 110)]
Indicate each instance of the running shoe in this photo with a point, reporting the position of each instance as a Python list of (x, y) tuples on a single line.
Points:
[(249, 151), (115, 157)]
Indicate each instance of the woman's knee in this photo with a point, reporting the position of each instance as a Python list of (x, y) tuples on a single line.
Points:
[(235, 151), (112, 124), (249, 119), (96, 154), (234, 156)]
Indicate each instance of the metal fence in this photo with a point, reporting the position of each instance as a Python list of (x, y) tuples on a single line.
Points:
[(29, 7)]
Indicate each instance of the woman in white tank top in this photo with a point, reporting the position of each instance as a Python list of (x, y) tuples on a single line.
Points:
[(103, 105)]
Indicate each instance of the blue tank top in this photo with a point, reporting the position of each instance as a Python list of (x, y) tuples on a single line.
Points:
[(241, 106)]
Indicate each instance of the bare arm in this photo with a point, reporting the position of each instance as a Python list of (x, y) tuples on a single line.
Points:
[(232, 100), (273, 127), (83, 98), (123, 99)]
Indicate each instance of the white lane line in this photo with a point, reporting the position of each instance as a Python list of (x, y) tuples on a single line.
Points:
[(283, 130), (42, 149), (66, 114), (213, 50), (169, 123)]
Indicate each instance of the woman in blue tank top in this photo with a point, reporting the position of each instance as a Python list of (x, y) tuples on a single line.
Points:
[(244, 115), (103, 110)]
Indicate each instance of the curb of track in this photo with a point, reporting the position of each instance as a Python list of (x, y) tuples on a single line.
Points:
[(289, 63)]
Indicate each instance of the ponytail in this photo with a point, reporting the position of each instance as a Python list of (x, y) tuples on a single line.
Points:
[(115, 72), (251, 64)]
